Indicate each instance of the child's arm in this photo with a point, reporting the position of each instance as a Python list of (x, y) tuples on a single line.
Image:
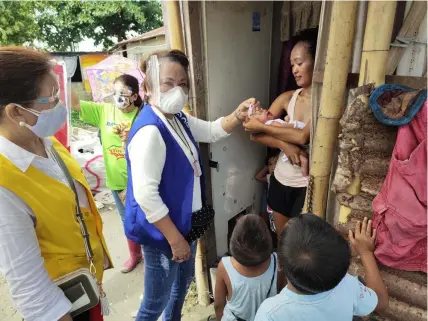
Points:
[(364, 243), (281, 280), (220, 295), (261, 175)]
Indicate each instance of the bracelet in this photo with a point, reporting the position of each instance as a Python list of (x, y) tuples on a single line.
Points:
[(236, 116)]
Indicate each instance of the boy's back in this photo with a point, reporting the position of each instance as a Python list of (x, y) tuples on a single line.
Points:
[(248, 292), (350, 297)]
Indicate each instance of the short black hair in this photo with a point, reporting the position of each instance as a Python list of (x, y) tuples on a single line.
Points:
[(251, 242), (312, 254), (271, 153), (309, 37)]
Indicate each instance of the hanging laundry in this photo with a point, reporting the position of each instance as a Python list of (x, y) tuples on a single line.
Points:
[(400, 209)]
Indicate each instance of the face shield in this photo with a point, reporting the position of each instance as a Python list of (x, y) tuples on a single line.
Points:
[(170, 100)]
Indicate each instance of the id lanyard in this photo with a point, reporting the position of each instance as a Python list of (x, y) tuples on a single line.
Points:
[(195, 163)]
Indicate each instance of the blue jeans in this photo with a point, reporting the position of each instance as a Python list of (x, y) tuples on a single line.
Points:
[(119, 205), (165, 285)]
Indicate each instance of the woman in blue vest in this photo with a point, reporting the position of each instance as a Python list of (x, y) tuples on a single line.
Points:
[(165, 182)]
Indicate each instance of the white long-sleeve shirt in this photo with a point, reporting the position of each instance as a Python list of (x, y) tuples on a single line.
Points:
[(33, 292), (147, 154)]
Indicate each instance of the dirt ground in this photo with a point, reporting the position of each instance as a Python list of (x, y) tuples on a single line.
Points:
[(123, 290)]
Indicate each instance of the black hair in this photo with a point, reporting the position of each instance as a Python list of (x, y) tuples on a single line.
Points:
[(251, 243), (271, 153), (131, 82), (309, 37), (312, 254)]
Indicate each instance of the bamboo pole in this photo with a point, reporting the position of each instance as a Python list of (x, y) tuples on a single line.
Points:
[(176, 41), (175, 30), (201, 274), (359, 35), (339, 54), (377, 38)]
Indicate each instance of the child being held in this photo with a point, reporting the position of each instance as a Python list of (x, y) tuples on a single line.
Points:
[(315, 259), (247, 278), (265, 117)]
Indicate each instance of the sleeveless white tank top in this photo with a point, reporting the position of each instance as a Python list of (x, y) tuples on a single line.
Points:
[(248, 293), (286, 173)]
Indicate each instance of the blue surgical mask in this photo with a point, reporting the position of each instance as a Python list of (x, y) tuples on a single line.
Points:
[(49, 121)]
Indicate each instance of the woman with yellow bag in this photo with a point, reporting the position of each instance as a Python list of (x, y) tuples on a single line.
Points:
[(52, 250)]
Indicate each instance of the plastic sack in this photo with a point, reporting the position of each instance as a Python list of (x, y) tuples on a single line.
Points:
[(87, 151)]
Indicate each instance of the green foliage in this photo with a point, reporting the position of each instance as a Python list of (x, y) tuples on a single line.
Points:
[(66, 22), (62, 24), (17, 23)]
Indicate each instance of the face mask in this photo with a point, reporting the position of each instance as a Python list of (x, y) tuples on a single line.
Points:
[(172, 101), (122, 102), (49, 121)]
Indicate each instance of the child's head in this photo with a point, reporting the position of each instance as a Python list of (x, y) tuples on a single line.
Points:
[(272, 163), (262, 115), (312, 254), (251, 243)]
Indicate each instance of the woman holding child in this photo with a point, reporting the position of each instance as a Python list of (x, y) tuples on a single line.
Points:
[(288, 184), (165, 185)]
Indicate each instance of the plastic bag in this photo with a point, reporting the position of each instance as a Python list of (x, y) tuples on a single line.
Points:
[(87, 151)]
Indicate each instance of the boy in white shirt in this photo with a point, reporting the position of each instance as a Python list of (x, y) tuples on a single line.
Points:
[(315, 259)]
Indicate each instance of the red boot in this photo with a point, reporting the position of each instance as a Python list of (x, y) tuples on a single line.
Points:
[(135, 257)]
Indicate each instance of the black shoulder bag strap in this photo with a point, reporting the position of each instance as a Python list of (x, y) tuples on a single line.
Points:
[(273, 275), (270, 288), (79, 215)]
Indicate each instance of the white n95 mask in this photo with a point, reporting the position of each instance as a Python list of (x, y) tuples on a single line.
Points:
[(49, 121), (173, 101)]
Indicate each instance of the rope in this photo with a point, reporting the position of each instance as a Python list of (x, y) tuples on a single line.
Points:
[(310, 193)]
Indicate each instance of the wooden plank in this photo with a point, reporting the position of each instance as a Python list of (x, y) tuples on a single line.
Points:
[(409, 81), (414, 60), (410, 27)]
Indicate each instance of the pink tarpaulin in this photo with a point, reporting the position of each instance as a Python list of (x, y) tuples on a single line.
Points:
[(63, 135), (102, 75)]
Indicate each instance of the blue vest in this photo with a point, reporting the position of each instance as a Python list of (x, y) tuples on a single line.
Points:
[(175, 188)]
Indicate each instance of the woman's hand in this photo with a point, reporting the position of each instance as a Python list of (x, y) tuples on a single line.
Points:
[(238, 116), (252, 125), (292, 152), (180, 250), (242, 111)]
